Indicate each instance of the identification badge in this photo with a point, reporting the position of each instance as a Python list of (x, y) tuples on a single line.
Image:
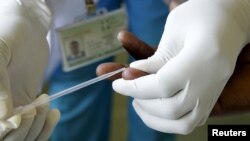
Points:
[(91, 40)]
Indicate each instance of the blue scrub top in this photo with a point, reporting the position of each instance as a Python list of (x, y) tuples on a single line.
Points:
[(146, 17)]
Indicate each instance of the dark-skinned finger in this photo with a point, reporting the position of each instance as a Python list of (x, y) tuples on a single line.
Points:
[(131, 73), (109, 67), (127, 74), (135, 47)]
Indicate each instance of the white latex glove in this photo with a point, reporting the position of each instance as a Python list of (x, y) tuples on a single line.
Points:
[(36, 124), (195, 59), (24, 54)]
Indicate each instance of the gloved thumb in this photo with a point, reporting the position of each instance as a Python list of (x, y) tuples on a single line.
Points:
[(152, 64), (162, 55), (8, 125)]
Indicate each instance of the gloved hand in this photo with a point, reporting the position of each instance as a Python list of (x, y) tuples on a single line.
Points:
[(36, 124), (24, 54), (234, 98), (194, 60)]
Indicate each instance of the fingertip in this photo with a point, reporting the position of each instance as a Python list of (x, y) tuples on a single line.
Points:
[(118, 86), (43, 97), (55, 115), (128, 40), (131, 73), (99, 69), (121, 35), (115, 85)]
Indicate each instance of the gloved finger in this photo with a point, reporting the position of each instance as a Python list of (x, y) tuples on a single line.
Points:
[(8, 125), (39, 120), (135, 47), (170, 108), (146, 87), (183, 125), (21, 132), (165, 83), (50, 123)]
